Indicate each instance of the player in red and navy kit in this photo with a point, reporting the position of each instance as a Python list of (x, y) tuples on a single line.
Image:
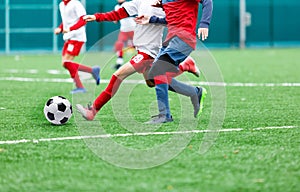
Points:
[(147, 40), (74, 36), (181, 18)]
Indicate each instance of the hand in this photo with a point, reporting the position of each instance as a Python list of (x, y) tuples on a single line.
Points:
[(89, 18), (66, 30), (157, 4), (142, 20), (57, 30), (203, 33)]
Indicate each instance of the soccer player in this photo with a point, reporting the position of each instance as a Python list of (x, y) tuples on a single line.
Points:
[(125, 37), (72, 12), (181, 18), (147, 40)]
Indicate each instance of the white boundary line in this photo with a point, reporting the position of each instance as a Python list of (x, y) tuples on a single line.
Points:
[(61, 80), (139, 134)]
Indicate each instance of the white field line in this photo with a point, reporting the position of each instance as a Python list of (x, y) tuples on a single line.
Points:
[(68, 80), (139, 134), (28, 71), (35, 71)]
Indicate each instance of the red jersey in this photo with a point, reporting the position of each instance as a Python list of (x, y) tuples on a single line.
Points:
[(181, 16)]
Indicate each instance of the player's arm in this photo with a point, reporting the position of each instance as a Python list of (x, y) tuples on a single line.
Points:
[(81, 22), (59, 29), (80, 13), (145, 19), (128, 9), (207, 8), (158, 20), (108, 16)]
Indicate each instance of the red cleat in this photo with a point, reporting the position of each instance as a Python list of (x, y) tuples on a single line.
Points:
[(88, 113), (189, 65)]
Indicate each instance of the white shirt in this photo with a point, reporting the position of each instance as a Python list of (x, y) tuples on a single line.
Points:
[(126, 24), (147, 38), (70, 15)]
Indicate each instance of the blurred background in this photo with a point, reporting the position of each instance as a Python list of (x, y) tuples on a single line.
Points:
[(27, 26)]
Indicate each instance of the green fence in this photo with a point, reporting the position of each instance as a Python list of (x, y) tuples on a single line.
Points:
[(28, 25), (274, 23)]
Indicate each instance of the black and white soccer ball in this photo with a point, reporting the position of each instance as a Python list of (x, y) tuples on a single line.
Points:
[(58, 110)]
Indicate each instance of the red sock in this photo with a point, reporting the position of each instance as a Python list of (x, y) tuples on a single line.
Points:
[(161, 79), (77, 81), (85, 68), (118, 48), (108, 93), (120, 53), (73, 68)]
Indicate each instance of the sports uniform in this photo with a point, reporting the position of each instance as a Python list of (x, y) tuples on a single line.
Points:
[(71, 12), (127, 26), (181, 18), (147, 40)]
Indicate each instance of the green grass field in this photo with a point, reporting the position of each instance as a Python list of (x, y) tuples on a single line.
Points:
[(260, 151)]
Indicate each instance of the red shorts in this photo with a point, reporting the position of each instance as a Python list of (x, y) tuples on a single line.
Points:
[(72, 47), (141, 62)]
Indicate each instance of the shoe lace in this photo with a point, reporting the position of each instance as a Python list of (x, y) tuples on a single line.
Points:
[(90, 106)]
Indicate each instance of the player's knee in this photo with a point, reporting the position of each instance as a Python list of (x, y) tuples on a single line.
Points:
[(70, 67), (162, 65), (150, 83), (66, 64)]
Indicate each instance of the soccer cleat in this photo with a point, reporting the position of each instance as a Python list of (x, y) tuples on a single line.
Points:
[(119, 63), (189, 65), (158, 119), (96, 74), (198, 99), (87, 113), (78, 90), (117, 66)]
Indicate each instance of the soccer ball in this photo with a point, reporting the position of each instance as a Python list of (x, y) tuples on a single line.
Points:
[(58, 110)]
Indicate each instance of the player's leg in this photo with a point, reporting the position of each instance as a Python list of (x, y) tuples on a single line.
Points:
[(67, 61), (157, 74), (119, 44), (138, 63), (161, 88), (196, 94), (168, 60), (72, 49), (147, 80), (116, 79), (129, 42), (190, 66), (130, 35)]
